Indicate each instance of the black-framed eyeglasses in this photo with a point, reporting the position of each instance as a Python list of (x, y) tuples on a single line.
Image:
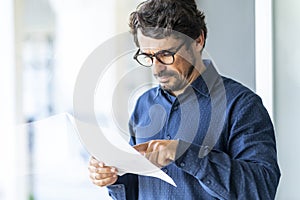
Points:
[(166, 57)]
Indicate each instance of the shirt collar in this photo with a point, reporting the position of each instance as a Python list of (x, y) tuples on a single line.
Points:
[(204, 83)]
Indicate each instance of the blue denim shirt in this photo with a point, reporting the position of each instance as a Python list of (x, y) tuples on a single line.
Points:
[(241, 162)]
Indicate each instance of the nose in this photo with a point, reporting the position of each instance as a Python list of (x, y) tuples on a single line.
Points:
[(158, 66)]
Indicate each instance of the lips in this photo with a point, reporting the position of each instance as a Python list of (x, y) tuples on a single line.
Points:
[(163, 79)]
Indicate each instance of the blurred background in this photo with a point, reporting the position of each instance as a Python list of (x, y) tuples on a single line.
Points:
[(43, 44)]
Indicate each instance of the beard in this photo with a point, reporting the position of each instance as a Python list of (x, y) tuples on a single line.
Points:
[(172, 81)]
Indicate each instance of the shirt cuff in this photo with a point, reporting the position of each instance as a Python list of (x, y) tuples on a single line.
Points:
[(117, 191), (187, 157)]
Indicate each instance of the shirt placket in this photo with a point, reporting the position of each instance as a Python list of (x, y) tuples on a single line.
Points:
[(173, 118)]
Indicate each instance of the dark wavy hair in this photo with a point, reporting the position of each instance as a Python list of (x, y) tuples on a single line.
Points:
[(161, 18)]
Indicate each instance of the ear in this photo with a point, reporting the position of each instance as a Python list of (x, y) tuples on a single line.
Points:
[(200, 42)]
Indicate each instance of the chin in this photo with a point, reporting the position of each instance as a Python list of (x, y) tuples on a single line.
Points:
[(168, 89), (172, 87)]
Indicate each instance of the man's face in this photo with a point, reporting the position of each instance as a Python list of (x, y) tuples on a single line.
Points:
[(176, 76)]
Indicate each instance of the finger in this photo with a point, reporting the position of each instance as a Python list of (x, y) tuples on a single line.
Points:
[(166, 147), (106, 170), (163, 158), (101, 164), (141, 147), (154, 145), (153, 158), (92, 169), (105, 182), (101, 170), (96, 176), (93, 162), (159, 157)]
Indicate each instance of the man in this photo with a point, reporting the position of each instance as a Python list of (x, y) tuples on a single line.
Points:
[(201, 110)]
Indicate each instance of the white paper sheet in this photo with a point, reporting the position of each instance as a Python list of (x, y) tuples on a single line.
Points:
[(109, 147)]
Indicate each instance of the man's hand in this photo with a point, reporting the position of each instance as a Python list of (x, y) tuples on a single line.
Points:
[(159, 152), (100, 174)]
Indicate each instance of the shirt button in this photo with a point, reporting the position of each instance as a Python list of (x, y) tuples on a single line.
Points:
[(165, 170), (182, 164), (208, 182), (206, 148), (168, 137), (119, 186), (175, 108)]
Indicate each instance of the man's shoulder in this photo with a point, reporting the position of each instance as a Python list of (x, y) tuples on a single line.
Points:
[(147, 97), (236, 90), (145, 100), (150, 93)]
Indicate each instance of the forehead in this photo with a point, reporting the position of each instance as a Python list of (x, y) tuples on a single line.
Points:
[(148, 43)]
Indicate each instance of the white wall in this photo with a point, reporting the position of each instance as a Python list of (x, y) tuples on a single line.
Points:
[(231, 37), (81, 26), (7, 105), (287, 94), (240, 42)]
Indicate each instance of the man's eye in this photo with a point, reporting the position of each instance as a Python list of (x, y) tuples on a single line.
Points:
[(147, 59)]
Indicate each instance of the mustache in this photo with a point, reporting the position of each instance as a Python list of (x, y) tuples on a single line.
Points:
[(166, 73)]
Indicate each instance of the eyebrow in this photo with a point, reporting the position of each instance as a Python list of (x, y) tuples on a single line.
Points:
[(170, 50)]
